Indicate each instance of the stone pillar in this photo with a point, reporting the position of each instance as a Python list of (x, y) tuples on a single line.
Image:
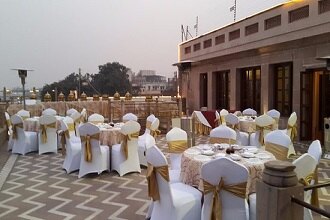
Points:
[(279, 183)]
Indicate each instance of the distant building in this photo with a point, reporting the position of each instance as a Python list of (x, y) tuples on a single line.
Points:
[(278, 58), (149, 83)]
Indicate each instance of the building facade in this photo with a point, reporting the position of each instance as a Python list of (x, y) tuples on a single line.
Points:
[(149, 83), (278, 58)]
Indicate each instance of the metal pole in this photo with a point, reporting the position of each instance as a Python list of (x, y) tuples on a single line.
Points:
[(55, 94), (23, 96), (79, 84)]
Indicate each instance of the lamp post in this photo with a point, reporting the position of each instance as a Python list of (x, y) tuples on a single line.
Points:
[(22, 73), (55, 93)]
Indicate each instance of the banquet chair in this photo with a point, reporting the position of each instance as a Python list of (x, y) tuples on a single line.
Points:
[(95, 118), (223, 134), (176, 201), (71, 150), (70, 111), (49, 111), (276, 116), (232, 178), (129, 117), (291, 130), (264, 125), (84, 116), (23, 141), (24, 114), (47, 137), (202, 126), (71, 128), (76, 116), (278, 144), (217, 120), (142, 147), (124, 156), (149, 120), (305, 166), (238, 113), (232, 121), (177, 140), (223, 114), (249, 112), (9, 131), (94, 157)]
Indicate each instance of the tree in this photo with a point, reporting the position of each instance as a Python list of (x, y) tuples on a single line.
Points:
[(112, 77)]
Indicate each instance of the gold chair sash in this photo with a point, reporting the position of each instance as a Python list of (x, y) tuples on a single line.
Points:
[(232, 126), (222, 120), (153, 190), (15, 126), (294, 132), (201, 128), (43, 129), (64, 135), (8, 123), (262, 132), (148, 124), (88, 148), (315, 194), (236, 189), (306, 182), (25, 117), (177, 146), (71, 126), (154, 133), (126, 138), (280, 152), (214, 140)]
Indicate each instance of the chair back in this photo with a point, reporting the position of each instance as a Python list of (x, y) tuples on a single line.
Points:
[(129, 128), (49, 111), (275, 115), (47, 132), (70, 124), (17, 119), (83, 114), (292, 119), (238, 113), (223, 134), (89, 129), (129, 117), (24, 114), (231, 173), (305, 165), (96, 118), (149, 121), (150, 141), (249, 112), (8, 122), (278, 144), (231, 120), (154, 128), (70, 111), (315, 150)]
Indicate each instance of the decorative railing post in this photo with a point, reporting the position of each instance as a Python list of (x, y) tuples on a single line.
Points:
[(279, 183)]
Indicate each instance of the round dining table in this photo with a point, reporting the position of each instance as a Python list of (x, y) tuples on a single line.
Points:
[(110, 135), (251, 157), (247, 124)]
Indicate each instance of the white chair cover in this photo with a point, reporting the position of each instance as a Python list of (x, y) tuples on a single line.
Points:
[(291, 130), (149, 121), (70, 111), (129, 117), (232, 173), (24, 114), (177, 200), (176, 134), (76, 116), (96, 118), (226, 134), (84, 116), (25, 141), (71, 150), (232, 121), (100, 154), (315, 150), (279, 139), (119, 162), (266, 122), (249, 112), (223, 114), (49, 111), (276, 116), (48, 130), (200, 117), (10, 131)]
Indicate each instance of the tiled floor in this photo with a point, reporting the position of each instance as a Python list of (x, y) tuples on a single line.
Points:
[(38, 188)]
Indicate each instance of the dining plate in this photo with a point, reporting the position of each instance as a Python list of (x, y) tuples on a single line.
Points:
[(220, 155), (251, 149), (193, 151), (236, 146), (208, 152), (202, 158), (247, 154), (263, 156), (235, 156)]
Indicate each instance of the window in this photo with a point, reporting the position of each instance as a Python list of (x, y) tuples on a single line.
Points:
[(187, 50), (251, 88), (273, 22), (208, 43), (220, 39), (324, 6), (197, 46), (283, 88), (299, 13), (251, 29), (203, 90), (234, 34)]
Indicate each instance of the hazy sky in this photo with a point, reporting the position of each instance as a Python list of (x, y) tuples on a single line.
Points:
[(56, 37)]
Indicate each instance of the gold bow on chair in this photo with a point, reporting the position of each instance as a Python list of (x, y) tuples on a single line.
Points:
[(43, 129), (177, 146), (214, 140), (148, 124), (88, 148), (154, 133), (279, 151), (294, 132), (153, 190), (126, 138), (64, 134), (262, 132), (15, 126), (306, 182), (236, 189), (71, 126), (8, 123)]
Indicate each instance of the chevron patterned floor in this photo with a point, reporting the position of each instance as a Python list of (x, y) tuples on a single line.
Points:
[(35, 187)]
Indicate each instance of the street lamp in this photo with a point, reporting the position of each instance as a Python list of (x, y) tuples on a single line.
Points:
[(23, 74)]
